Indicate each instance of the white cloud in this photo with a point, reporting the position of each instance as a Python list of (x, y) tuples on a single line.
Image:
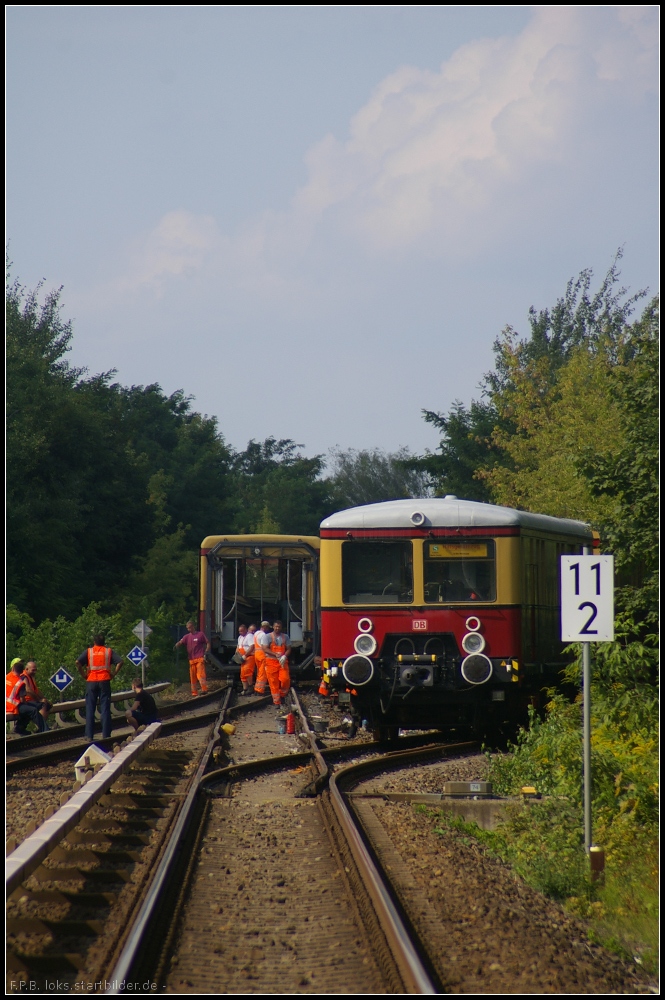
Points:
[(433, 159), (432, 151), (177, 246)]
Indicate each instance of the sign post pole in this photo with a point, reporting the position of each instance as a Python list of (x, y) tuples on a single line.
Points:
[(587, 615), (141, 632), (586, 735)]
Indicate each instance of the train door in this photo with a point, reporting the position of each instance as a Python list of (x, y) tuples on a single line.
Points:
[(262, 581)]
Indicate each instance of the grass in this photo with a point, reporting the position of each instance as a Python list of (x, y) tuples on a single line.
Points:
[(543, 844)]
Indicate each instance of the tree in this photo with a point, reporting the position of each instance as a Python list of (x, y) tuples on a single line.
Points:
[(276, 486), (371, 475), (466, 446), (104, 482), (494, 450)]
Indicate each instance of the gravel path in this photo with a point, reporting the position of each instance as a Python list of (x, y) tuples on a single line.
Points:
[(267, 905), (487, 931)]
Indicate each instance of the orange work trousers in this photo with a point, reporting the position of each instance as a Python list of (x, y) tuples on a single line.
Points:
[(261, 678), (247, 669), (279, 679), (197, 671)]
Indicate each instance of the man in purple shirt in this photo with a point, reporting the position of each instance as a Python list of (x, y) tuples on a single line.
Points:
[(197, 645)]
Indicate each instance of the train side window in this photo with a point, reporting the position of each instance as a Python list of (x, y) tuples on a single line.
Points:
[(459, 572), (377, 572)]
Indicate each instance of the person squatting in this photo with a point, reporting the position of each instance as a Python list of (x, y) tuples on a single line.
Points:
[(144, 709)]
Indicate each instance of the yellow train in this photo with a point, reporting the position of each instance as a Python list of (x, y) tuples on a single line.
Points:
[(443, 612), (436, 612), (245, 579)]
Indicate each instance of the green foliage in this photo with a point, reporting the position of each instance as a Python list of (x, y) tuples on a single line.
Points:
[(277, 487), (466, 445), (630, 476), (543, 843), (58, 642), (372, 475), (547, 409)]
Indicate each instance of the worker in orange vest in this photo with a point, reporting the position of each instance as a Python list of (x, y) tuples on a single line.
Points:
[(96, 666), (12, 689), (32, 693), (245, 651), (261, 644), (277, 664)]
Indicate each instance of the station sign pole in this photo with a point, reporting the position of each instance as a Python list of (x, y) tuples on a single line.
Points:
[(587, 615), (142, 631)]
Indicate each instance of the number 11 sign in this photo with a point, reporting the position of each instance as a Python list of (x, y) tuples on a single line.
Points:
[(587, 598)]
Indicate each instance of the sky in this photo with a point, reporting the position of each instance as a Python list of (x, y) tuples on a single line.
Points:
[(316, 220)]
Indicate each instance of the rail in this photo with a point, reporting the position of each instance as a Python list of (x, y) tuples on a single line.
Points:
[(151, 901), (21, 862)]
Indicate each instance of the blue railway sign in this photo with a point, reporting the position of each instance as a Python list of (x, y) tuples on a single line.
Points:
[(61, 679), (136, 656)]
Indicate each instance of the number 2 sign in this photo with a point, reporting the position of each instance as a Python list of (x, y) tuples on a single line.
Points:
[(587, 598)]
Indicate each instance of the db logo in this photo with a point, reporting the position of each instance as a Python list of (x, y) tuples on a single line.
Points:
[(419, 625)]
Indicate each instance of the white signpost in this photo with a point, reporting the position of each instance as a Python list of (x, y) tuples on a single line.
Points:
[(142, 631), (587, 615)]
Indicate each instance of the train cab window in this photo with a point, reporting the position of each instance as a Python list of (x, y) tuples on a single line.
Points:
[(459, 572), (377, 572)]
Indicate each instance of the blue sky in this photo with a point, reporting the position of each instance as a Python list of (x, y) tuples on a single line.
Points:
[(316, 220)]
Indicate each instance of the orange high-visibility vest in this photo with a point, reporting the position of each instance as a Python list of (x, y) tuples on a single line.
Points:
[(99, 662), (31, 689), (279, 648), (11, 681)]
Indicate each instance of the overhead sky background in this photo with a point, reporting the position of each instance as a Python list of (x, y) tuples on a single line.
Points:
[(315, 220)]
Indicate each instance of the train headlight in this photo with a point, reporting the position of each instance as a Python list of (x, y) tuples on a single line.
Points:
[(365, 644), (477, 668), (357, 670), (473, 624), (365, 625), (473, 642)]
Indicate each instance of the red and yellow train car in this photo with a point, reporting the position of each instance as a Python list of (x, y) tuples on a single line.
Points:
[(442, 612)]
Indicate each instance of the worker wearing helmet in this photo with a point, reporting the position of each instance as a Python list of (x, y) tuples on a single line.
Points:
[(277, 663)]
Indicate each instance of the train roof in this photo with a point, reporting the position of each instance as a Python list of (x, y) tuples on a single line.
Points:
[(260, 539), (449, 512)]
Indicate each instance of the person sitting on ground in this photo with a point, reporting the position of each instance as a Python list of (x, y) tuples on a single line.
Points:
[(12, 701), (144, 709), (33, 694), (19, 702)]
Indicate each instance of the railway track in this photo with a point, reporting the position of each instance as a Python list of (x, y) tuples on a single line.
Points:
[(59, 744), (88, 912), (240, 864)]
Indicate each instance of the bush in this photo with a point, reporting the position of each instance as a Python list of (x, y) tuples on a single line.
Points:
[(59, 642)]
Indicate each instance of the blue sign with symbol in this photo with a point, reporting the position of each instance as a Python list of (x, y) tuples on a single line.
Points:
[(61, 679), (136, 656)]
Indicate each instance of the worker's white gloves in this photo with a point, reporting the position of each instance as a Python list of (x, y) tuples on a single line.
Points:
[(282, 661)]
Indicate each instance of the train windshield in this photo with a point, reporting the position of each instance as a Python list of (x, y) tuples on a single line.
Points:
[(457, 572), (377, 572)]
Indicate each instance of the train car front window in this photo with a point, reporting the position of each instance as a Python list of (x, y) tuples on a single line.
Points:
[(377, 572), (459, 572)]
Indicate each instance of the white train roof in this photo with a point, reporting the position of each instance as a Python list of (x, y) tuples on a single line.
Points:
[(449, 512)]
